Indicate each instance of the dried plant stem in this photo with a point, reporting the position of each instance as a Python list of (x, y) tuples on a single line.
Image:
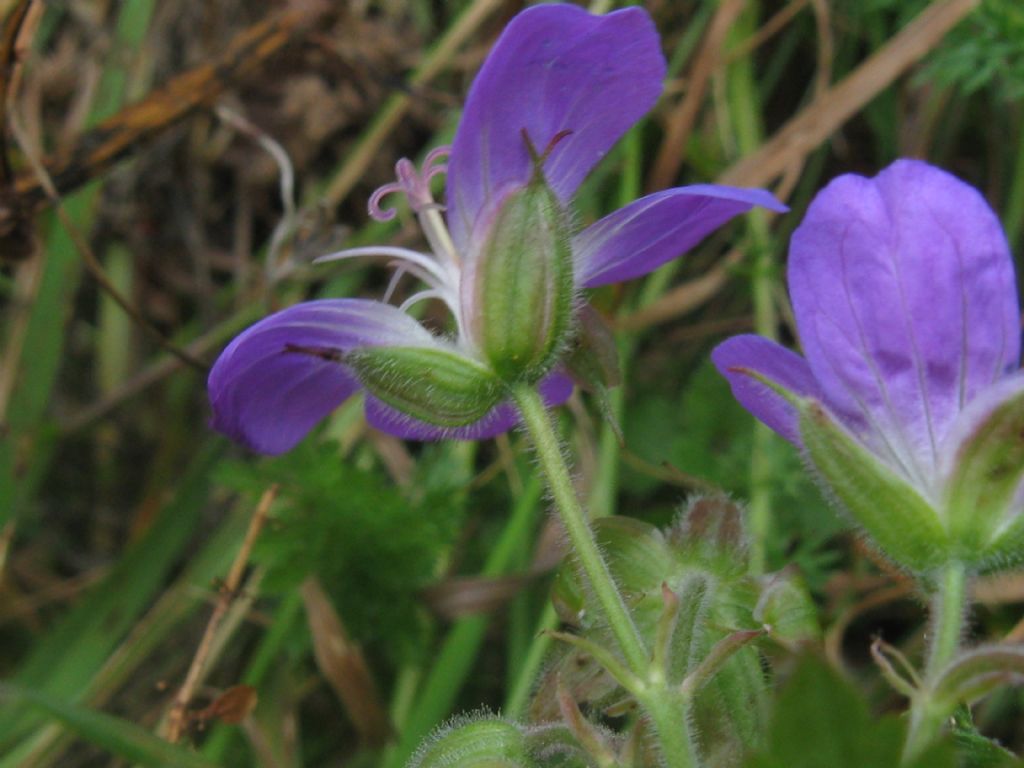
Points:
[(178, 716), (824, 115), (681, 121), (93, 264), (396, 107)]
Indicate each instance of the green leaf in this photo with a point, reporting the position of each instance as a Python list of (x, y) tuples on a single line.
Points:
[(65, 660), (786, 607), (820, 719), (373, 546), (120, 737)]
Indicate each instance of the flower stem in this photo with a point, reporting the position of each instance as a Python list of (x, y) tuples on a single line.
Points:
[(668, 712), (549, 451), (666, 706), (948, 607)]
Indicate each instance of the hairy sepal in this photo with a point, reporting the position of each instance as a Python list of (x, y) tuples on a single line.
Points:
[(480, 741), (523, 285), (984, 481), (904, 525), (434, 385)]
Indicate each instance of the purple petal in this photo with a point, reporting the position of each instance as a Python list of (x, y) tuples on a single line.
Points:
[(270, 386), (738, 357), (646, 233), (555, 389), (906, 303), (555, 68)]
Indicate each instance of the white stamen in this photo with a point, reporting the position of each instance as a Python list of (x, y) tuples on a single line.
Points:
[(437, 235), (416, 298), (400, 271), (441, 269), (415, 271), (401, 254)]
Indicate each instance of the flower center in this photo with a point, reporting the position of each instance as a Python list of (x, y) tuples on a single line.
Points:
[(441, 268)]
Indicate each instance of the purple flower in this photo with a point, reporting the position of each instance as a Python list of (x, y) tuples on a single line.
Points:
[(906, 306), (558, 90)]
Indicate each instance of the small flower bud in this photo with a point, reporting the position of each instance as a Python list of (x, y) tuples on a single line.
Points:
[(434, 385), (522, 285), (786, 608), (710, 533), (487, 742)]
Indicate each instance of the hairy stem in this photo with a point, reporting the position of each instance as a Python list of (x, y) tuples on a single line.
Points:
[(552, 462), (948, 607), (666, 707)]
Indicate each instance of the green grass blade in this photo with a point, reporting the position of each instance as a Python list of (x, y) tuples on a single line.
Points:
[(120, 737)]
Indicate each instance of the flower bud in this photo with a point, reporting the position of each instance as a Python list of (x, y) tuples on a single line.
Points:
[(786, 608), (522, 285), (434, 385), (487, 742), (709, 534)]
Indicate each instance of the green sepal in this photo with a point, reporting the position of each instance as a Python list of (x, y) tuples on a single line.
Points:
[(475, 742), (593, 360), (900, 522), (977, 673), (787, 610), (556, 745), (522, 284), (976, 750), (986, 474), (639, 559), (434, 385)]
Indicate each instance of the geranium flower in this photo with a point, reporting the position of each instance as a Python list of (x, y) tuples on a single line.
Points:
[(906, 306), (557, 91)]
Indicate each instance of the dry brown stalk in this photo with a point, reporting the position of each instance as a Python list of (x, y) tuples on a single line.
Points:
[(9, 34), (785, 154), (819, 120), (684, 297), (147, 377), (343, 665), (92, 264), (835, 634), (681, 120), (177, 717), (16, 34), (767, 31), (115, 138), (397, 106)]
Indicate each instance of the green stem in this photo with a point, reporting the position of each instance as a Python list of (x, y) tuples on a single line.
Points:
[(666, 706), (746, 111), (549, 451), (948, 607), (668, 711)]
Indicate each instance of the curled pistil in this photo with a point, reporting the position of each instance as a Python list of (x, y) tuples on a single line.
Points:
[(413, 183)]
